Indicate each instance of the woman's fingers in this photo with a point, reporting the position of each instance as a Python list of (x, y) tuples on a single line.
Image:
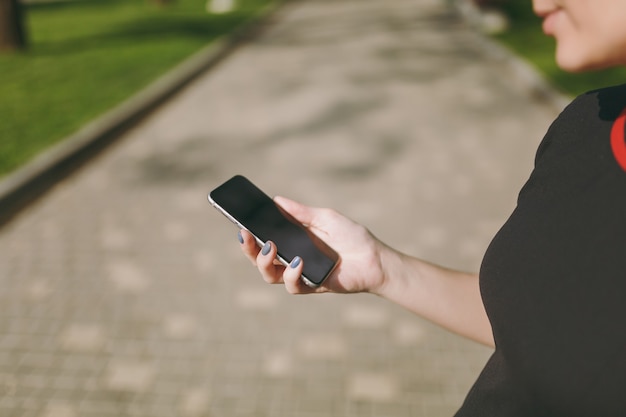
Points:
[(271, 271), (291, 276), (248, 245), (270, 268), (263, 258)]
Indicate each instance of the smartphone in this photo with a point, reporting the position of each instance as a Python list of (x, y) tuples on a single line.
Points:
[(251, 209)]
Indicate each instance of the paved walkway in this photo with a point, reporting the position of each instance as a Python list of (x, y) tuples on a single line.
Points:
[(123, 292)]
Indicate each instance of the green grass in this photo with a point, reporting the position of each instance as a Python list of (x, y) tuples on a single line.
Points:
[(526, 38), (86, 56)]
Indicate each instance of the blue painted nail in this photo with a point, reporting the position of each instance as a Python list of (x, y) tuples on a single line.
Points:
[(266, 248), (295, 262), (239, 237)]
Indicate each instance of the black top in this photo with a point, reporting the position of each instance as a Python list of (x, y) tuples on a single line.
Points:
[(553, 280)]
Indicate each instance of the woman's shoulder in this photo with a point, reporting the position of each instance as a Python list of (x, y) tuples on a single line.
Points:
[(588, 116), (605, 103), (579, 140), (576, 153)]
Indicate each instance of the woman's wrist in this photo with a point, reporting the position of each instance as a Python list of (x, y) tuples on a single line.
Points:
[(390, 263)]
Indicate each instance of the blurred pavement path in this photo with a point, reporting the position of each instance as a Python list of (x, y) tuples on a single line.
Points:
[(123, 293)]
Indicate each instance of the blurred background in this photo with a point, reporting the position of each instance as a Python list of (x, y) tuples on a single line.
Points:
[(123, 293), (56, 54)]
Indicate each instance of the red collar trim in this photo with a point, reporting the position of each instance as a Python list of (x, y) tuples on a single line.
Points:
[(618, 141)]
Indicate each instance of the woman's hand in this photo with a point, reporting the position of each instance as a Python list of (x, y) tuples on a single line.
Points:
[(448, 298), (359, 269)]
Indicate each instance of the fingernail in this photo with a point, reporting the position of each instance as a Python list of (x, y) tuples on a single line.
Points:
[(295, 262), (266, 248), (239, 237)]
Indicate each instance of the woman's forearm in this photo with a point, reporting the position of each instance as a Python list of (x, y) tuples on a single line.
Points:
[(448, 298)]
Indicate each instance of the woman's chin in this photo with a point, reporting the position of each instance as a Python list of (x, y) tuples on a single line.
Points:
[(573, 65), (575, 61)]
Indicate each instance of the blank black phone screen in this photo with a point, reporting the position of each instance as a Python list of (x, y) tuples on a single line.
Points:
[(258, 213)]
